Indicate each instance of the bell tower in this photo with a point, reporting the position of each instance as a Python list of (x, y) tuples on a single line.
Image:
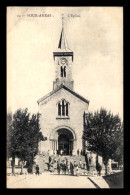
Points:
[(63, 59)]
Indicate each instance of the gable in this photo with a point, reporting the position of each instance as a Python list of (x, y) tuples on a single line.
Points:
[(49, 96)]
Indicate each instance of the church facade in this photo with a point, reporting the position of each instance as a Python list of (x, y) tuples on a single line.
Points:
[(61, 112)]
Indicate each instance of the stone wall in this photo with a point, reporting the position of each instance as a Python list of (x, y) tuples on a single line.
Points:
[(49, 117), (68, 81)]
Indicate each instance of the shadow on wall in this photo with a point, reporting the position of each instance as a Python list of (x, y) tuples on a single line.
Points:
[(114, 180)]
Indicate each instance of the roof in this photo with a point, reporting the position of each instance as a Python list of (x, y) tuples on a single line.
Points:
[(63, 45), (66, 88), (63, 48)]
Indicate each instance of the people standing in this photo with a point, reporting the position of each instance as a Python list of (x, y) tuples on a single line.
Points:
[(84, 165), (67, 167), (58, 167), (90, 160), (77, 170), (50, 159), (109, 170), (99, 168), (80, 164), (75, 167), (64, 167), (52, 167), (71, 168), (37, 170), (78, 152), (54, 160), (55, 164), (81, 153)]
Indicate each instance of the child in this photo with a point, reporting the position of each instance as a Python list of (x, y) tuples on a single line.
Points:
[(84, 165)]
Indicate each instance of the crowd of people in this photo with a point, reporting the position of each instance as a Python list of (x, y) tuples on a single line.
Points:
[(65, 166)]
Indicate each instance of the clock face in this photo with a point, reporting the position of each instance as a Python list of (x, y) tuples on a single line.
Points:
[(63, 60)]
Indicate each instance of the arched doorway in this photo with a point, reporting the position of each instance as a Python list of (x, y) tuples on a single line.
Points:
[(65, 141), (62, 137)]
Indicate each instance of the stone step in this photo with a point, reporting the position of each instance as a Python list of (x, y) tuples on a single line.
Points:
[(77, 158), (42, 160)]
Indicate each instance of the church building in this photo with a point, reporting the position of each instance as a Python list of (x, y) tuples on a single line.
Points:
[(61, 112)]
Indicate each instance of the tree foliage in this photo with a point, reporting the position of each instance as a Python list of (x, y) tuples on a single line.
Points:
[(9, 132), (23, 135), (104, 135)]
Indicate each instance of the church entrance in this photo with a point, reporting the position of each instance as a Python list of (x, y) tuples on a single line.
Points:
[(65, 142)]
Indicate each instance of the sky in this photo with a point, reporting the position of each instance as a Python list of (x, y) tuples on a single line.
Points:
[(94, 34)]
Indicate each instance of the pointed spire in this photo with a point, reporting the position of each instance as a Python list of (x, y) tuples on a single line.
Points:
[(62, 21), (63, 45)]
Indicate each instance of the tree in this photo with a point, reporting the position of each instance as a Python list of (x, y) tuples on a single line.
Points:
[(9, 126), (118, 155), (9, 137), (102, 133), (23, 137), (87, 162)]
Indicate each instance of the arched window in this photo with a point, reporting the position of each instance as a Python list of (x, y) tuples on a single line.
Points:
[(66, 109), (63, 108), (59, 109)]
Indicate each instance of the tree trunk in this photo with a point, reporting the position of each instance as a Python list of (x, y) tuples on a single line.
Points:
[(97, 161), (97, 157), (106, 170), (13, 164), (21, 167), (87, 162), (105, 161)]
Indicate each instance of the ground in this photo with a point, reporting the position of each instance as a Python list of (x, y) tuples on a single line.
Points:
[(48, 180)]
